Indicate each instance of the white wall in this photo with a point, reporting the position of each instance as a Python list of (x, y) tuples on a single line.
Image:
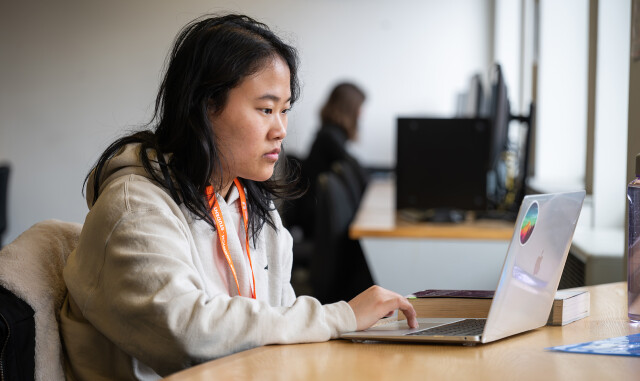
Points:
[(611, 114), (75, 74), (562, 93), (562, 108), (507, 46)]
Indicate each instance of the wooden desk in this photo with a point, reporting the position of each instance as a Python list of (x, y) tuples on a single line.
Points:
[(521, 357), (377, 217), (406, 256)]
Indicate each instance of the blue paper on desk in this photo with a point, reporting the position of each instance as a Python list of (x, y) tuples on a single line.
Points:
[(618, 346)]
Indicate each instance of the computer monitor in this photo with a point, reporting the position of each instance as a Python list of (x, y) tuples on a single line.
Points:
[(474, 97), (441, 165), (472, 102), (499, 115)]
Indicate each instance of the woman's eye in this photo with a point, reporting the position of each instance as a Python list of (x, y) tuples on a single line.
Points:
[(286, 111), (266, 110)]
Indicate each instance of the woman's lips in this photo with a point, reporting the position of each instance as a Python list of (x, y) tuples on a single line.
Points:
[(273, 155)]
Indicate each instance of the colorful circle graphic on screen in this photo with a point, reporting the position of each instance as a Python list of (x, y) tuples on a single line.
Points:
[(529, 223)]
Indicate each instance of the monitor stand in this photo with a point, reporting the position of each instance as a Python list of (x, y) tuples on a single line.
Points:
[(433, 215)]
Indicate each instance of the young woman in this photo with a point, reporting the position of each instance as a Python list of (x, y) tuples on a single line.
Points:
[(183, 257)]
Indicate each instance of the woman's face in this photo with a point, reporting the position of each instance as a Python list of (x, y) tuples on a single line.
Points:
[(250, 129)]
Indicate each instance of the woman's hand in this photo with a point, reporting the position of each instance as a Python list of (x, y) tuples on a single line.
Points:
[(375, 303)]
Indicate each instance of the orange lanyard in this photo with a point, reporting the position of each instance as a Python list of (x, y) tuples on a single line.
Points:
[(222, 230)]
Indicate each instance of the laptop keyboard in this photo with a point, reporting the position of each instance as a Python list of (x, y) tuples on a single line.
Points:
[(466, 327)]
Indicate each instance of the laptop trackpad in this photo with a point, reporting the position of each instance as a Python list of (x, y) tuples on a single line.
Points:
[(401, 327)]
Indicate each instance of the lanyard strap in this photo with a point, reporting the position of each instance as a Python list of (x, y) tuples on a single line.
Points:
[(222, 230)]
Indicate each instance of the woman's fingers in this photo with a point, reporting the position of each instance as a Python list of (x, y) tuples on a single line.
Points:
[(375, 303)]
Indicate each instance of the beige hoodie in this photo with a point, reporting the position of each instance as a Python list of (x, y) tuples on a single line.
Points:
[(150, 292)]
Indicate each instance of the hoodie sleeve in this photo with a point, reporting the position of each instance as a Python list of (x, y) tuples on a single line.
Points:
[(135, 282)]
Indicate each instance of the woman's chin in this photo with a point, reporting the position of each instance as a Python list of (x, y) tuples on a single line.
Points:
[(261, 176)]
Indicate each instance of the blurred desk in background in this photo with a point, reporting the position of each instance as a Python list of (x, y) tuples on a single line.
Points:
[(406, 256)]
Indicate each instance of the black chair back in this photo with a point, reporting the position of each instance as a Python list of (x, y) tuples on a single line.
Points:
[(339, 270), (291, 212), (347, 174)]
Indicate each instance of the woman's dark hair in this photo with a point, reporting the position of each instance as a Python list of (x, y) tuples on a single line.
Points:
[(210, 56), (343, 107)]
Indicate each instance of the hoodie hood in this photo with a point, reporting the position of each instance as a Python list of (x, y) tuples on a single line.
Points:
[(124, 163)]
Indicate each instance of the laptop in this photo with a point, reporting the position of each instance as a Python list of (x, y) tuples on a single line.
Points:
[(529, 280)]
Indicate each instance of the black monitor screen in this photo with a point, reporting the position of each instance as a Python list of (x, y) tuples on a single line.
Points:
[(442, 163), (500, 115), (475, 98)]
